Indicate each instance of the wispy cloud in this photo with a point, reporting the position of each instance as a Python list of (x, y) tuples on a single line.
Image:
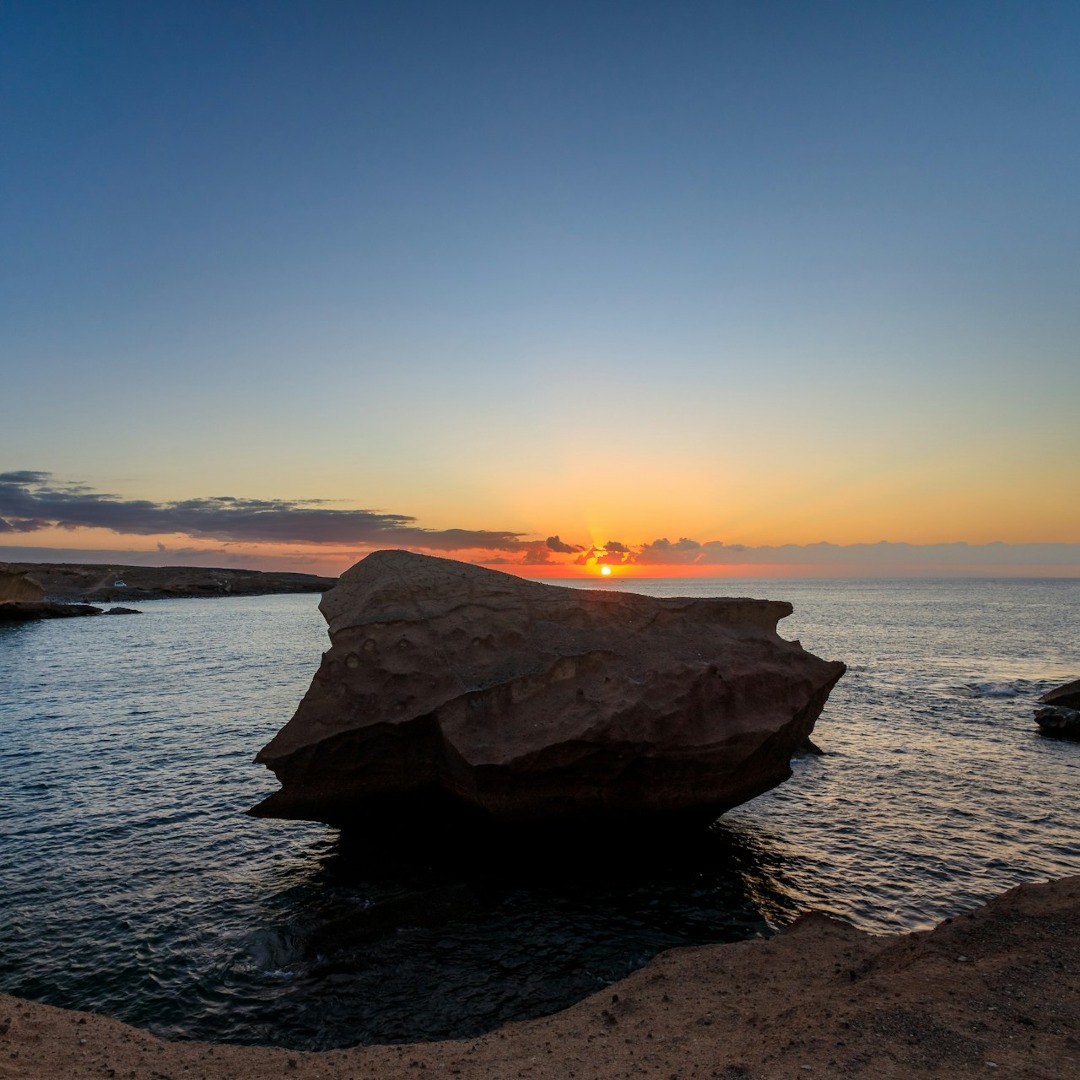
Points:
[(884, 558), (32, 501), (252, 531), (713, 553)]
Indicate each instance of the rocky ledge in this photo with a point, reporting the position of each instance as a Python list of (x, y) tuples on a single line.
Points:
[(36, 610), (458, 696)]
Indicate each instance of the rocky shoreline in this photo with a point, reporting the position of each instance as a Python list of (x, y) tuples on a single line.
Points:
[(995, 992), (92, 583)]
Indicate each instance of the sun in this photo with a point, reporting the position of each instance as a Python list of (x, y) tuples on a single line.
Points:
[(605, 570)]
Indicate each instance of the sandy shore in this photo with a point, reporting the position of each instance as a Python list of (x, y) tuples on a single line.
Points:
[(992, 993)]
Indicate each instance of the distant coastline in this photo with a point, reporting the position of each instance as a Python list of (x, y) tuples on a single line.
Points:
[(114, 582)]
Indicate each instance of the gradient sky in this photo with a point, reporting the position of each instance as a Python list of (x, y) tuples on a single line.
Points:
[(468, 276)]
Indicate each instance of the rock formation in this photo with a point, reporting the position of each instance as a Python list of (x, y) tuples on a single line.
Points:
[(452, 692), (22, 599), (16, 586), (1060, 716), (1059, 722), (1066, 696), (36, 610)]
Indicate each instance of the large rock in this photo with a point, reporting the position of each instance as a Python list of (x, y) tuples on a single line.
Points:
[(453, 691)]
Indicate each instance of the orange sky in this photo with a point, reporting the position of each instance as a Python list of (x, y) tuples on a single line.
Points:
[(812, 280)]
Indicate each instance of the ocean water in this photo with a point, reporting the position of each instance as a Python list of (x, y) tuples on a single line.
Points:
[(133, 884)]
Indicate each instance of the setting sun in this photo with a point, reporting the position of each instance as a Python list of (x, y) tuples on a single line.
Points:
[(605, 570)]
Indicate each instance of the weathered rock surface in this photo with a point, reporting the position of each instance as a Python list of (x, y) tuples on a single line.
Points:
[(1060, 718), (1067, 696), (16, 586), (454, 690), (1058, 721)]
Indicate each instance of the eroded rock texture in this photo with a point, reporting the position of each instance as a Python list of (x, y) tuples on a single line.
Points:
[(1066, 696), (1060, 716), (452, 689), (17, 587)]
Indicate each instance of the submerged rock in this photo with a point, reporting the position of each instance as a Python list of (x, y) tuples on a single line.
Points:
[(453, 693)]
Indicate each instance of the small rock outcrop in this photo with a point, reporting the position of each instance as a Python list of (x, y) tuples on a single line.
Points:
[(1066, 696), (456, 692), (22, 599), (1060, 716), (36, 610), (16, 586), (1059, 722)]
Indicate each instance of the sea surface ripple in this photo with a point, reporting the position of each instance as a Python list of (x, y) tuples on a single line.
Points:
[(133, 884)]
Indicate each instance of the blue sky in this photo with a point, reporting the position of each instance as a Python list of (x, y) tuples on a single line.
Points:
[(762, 273)]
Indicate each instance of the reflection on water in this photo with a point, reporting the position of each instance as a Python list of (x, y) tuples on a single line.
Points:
[(135, 885), (426, 950)]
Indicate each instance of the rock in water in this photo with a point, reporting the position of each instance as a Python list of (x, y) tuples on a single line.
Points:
[(452, 692), (1061, 716), (1059, 721), (36, 610), (1066, 696)]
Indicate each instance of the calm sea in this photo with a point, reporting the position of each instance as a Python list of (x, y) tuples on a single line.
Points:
[(133, 884)]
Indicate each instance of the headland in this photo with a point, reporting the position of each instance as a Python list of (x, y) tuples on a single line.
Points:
[(113, 582)]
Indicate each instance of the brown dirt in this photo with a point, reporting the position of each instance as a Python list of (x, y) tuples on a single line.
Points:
[(992, 993)]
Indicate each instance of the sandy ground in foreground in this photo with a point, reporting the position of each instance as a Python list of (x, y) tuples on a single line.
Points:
[(992, 993)]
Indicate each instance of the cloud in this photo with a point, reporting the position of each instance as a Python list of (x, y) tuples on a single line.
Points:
[(854, 558), (24, 476), (30, 501), (555, 544), (613, 553), (535, 553), (33, 501), (22, 525), (664, 553)]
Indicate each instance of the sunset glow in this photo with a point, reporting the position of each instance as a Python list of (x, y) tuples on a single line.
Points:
[(680, 305)]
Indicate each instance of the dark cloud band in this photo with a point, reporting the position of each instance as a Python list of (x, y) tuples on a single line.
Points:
[(31, 501)]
